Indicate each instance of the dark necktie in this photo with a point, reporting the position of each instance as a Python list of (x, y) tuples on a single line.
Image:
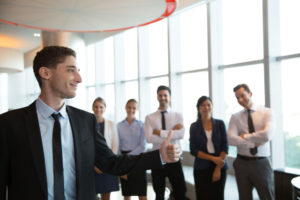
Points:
[(251, 129), (57, 160), (163, 120)]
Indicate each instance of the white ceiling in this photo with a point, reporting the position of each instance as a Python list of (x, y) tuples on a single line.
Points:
[(74, 15), (81, 15)]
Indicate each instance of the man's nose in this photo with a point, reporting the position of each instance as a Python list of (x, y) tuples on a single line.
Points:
[(78, 78)]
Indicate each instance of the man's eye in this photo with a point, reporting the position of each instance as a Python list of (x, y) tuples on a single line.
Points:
[(70, 70)]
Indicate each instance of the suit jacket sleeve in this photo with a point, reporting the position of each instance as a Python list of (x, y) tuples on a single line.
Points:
[(193, 147), (224, 143), (108, 162)]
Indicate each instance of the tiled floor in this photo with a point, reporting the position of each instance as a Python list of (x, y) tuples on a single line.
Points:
[(231, 192)]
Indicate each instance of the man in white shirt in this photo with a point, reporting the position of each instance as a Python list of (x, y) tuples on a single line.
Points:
[(251, 131), (157, 126)]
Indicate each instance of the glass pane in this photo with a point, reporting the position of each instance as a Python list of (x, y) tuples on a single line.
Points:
[(193, 38), (110, 101), (291, 111), (130, 54), (109, 60), (154, 83), (242, 30), (289, 30), (131, 92), (32, 87), (194, 85), (91, 65), (91, 96), (158, 48), (4, 93), (253, 76)]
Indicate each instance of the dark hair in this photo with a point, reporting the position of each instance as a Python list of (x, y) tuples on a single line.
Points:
[(245, 86), (99, 99), (200, 102), (49, 57), (162, 87), (131, 101)]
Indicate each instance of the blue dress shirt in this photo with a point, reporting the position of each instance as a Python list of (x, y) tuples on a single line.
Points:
[(46, 123), (131, 137)]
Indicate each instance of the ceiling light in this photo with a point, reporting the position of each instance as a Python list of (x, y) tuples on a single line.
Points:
[(37, 35)]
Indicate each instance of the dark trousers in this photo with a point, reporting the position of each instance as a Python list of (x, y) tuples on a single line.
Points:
[(254, 173), (205, 188), (175, 175)]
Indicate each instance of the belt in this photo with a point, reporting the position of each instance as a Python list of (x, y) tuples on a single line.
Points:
[(250, 158)]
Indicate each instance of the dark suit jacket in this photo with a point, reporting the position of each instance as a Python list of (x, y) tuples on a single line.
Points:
[(198, 142), (22, 162)]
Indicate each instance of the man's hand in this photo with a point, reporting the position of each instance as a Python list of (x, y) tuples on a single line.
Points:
[(156, 132), (177, 127), (97, 170), (169, 152)]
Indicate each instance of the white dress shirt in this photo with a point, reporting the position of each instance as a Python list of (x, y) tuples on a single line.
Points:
[(46, 123), (263, 122), (153, 122)]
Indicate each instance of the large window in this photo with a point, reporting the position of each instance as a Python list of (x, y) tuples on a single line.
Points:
[(291, 111), (193, 38), (289, 30), (4, 93), (158, 48), (242, 30)]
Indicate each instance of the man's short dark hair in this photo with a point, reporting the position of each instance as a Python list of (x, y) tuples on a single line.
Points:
[(162, 87), (49, 57), (245, 86)]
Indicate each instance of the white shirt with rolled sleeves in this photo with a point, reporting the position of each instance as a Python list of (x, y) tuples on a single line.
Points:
[(153, 122), (263, 121)]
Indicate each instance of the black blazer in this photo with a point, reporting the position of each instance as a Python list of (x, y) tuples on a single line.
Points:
[(22, 162), (198, 142)]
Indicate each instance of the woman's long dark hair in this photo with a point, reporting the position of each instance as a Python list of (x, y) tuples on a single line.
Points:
[(199, 103)]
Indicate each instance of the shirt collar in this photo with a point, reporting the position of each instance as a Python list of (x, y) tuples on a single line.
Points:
[(46, 111), (253, 108), (167, 110), (126, 122)]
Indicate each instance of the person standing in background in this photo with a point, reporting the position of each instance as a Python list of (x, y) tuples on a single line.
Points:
[(208, 143), (157, 126), (132, 142), (106, 183), (251, 130)]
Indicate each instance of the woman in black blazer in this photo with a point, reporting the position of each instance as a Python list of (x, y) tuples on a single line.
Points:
[(208, 143)]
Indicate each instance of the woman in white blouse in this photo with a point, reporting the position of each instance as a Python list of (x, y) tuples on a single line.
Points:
[(105, 183), (208, 143)]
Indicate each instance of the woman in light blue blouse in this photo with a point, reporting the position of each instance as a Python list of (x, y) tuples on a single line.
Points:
[(132, 142)]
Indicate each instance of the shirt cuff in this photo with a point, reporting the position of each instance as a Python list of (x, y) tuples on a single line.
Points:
[(162, 162), (164, 133)]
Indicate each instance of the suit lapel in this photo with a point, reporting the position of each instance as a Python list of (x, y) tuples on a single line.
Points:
[(34, 135), (75, 121)]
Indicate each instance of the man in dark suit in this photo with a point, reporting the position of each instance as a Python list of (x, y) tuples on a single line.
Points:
[(48, 150)]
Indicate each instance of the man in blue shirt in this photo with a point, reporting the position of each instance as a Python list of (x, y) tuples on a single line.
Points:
[(48, 150)]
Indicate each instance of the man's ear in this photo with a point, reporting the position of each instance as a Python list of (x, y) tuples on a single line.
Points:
[(45, 73)]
